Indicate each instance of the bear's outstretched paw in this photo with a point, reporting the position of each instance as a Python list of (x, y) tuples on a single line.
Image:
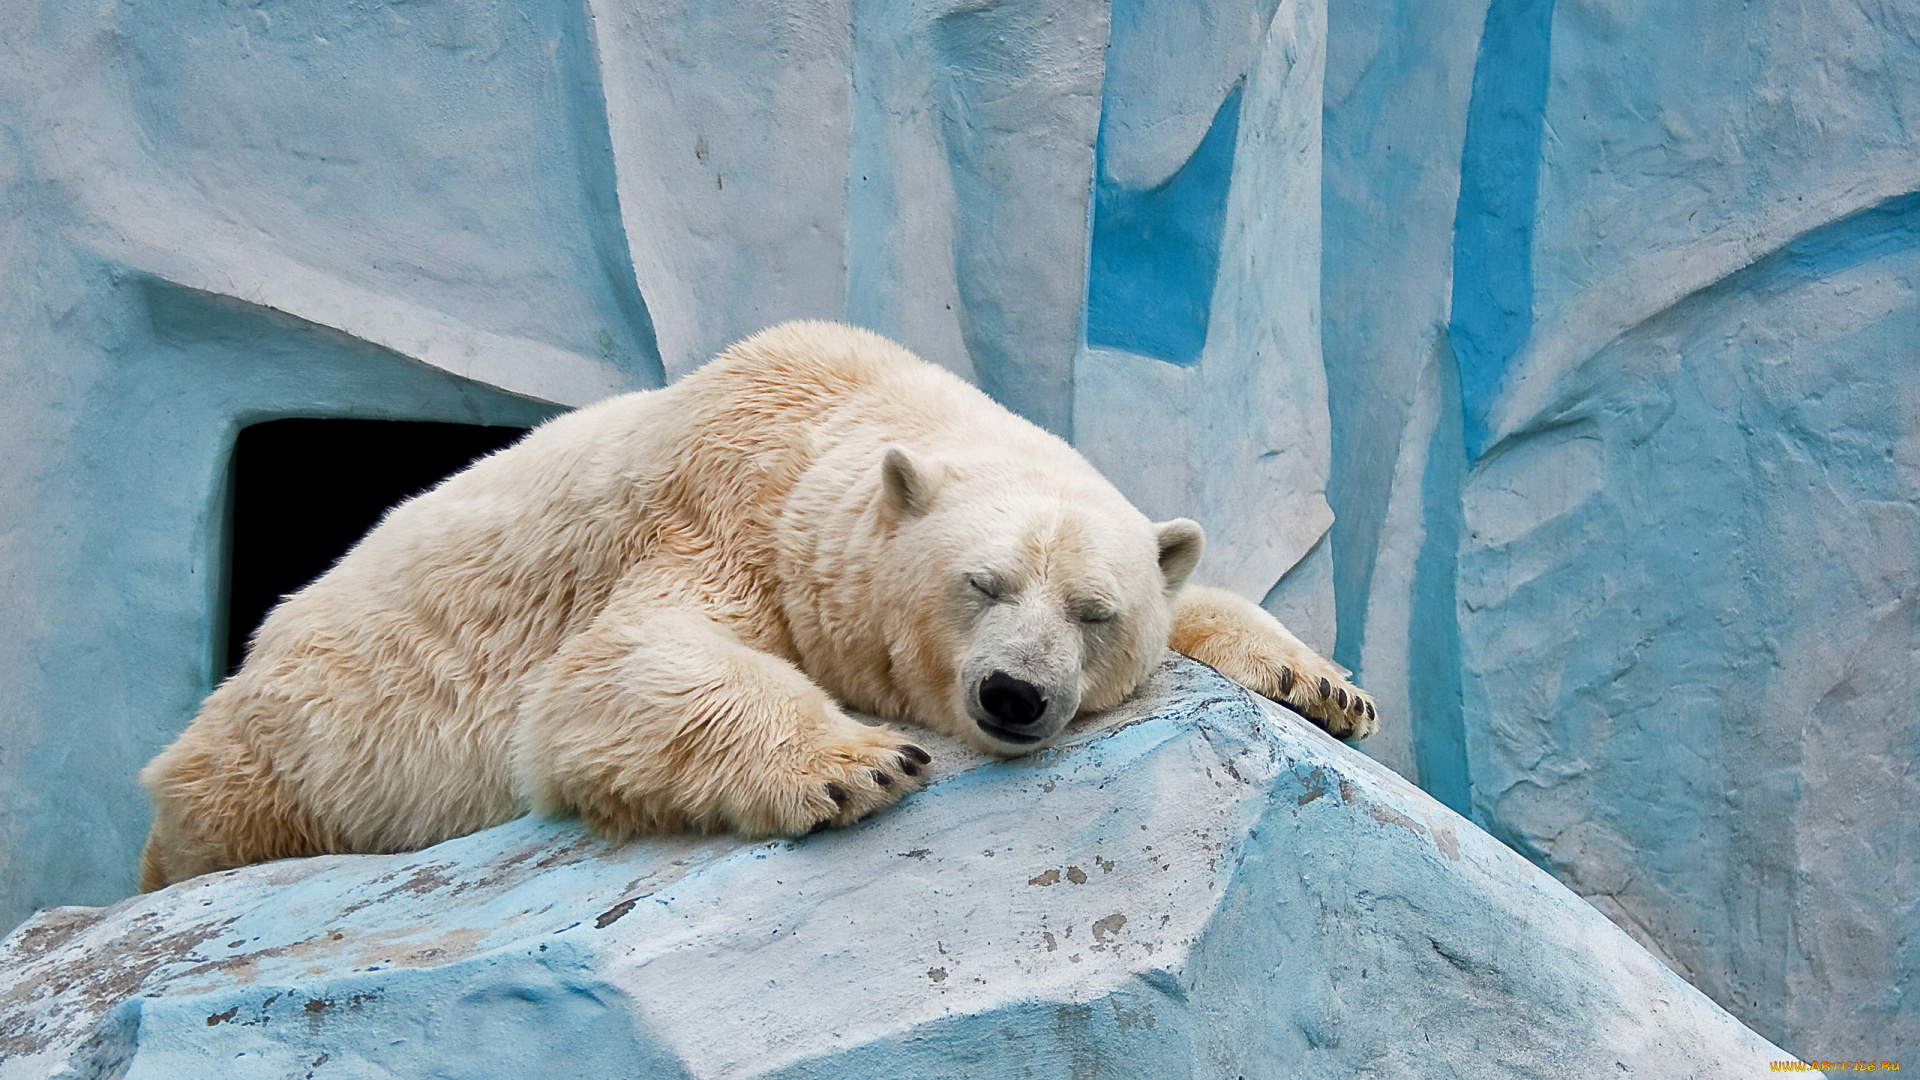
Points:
[(1315, 689), (829, 779), (1242, 641)]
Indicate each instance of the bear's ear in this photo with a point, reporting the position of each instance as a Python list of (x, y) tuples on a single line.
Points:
[(1180, 544), (906, 487)]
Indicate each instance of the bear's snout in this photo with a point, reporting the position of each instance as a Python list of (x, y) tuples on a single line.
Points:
[(1013, 704), (1021, 685)]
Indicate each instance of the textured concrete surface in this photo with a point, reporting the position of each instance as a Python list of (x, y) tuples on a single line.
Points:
[(1621, 347), (1205, 887), (1200, 391)]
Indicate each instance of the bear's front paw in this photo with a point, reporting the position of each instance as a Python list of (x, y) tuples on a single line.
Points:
[(828, 779), (1242, 641), (1312, 687)]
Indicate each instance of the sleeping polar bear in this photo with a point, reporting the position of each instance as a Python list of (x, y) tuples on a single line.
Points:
[(651, 612)]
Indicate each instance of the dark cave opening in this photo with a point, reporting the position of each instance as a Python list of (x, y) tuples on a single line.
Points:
[(304, 491)]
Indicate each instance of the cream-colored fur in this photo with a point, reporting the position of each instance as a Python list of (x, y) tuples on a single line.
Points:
[(652, 612)]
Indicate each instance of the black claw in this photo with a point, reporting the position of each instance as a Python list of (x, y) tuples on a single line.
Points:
[(1340, 697), (917, 754), (820, 826), (838, 794), (1370, 712), (907, 766), (1326, 688), (882, 778), (1286, 680)]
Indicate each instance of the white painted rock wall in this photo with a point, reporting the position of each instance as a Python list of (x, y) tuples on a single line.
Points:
[(1622, 341), (1205, 887)]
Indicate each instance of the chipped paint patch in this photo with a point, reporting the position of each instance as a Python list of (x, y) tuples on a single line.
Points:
[(1388, 816)]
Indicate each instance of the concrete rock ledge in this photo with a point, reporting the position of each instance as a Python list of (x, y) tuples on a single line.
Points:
[(1203, 886)]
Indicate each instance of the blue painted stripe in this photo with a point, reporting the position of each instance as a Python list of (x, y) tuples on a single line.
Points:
[(1438, 714), (1492, 313), (1156, 252)]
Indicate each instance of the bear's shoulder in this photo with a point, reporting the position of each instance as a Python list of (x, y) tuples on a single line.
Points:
[(810, 357)]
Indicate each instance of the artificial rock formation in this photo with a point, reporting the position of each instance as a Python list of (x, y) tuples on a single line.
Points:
[(1201, 885), (1643, 564)]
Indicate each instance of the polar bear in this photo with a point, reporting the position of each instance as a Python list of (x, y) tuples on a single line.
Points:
[(652, 612)]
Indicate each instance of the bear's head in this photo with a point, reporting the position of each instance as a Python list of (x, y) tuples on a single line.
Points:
[(1032, 592)]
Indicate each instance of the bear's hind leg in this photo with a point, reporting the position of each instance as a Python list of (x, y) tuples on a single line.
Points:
[(659, 719), (1237, 637), (218, 805)]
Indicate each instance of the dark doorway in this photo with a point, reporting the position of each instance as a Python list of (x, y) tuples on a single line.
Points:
[(304, 491)]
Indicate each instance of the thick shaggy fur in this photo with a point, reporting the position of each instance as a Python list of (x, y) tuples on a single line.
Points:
[(651, 612)]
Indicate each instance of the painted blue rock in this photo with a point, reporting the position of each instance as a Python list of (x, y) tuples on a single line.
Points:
[(1203, 886)]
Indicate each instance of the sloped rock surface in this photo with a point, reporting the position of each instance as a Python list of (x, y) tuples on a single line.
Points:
[(1200, 886)]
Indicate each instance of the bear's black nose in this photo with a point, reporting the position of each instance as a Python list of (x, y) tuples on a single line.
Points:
[(1011, 701)]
